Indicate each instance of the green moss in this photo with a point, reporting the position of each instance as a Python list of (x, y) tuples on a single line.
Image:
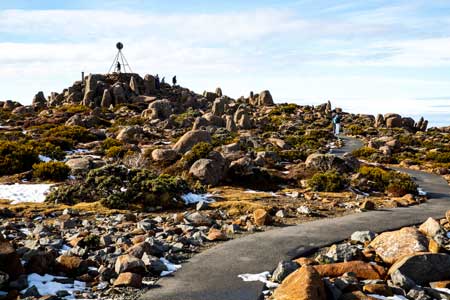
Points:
[(16, 158), (329, 181), (53, 170)]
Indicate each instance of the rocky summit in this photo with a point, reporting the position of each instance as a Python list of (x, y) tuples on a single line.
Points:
[(117, 181)]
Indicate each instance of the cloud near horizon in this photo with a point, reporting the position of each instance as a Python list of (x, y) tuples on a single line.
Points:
[(386, 50)]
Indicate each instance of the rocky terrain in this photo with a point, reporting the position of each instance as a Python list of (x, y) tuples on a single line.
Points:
[(409, 263), (136, 179)]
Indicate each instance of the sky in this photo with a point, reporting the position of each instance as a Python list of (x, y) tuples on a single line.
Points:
[(368, 56)]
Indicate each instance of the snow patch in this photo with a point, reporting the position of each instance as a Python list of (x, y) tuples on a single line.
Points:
[(170, 267), (421, 192), (47, 285), (395, 297), (262, 277), (44, 158), (19, 193), (77, 151), (192, 198)]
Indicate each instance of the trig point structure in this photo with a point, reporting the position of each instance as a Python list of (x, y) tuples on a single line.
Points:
[(120, 63)]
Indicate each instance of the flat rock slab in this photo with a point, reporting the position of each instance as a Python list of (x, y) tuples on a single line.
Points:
[(213, 274)]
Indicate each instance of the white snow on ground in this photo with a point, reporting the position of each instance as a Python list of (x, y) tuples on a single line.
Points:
[(395, 297), (421, 192), (19, 193), (64, 249), (263, 277), (444, 290), (44, 158), (77, 151), (170, 267), (192, 198), (47, 286)]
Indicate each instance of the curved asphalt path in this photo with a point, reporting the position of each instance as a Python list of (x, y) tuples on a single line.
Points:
[(212, 274)]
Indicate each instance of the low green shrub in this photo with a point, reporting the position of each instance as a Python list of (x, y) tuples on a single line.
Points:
[(46, 148), (439, 156), (392, 182), (329, 181), (116, 152), (16, 157), (285, 108), (200, 150), (110, 142), (117, 187), (52, 170), (355, 130), (67, 136), (401, 184), (364, 152)]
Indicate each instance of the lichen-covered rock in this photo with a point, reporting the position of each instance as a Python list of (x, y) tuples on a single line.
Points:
[(393, 245)]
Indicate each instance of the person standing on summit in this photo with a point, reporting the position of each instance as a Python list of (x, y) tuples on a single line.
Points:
[(174, 80), (336, 124)]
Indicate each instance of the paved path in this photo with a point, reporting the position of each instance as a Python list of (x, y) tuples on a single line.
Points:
[(212, 275)]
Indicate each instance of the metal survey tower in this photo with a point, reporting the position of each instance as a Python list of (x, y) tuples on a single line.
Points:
[(120, 63)]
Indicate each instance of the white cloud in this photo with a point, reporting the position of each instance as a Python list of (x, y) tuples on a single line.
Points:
[(239, 51)]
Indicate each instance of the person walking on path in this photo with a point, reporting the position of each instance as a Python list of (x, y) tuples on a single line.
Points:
[(336, 124)]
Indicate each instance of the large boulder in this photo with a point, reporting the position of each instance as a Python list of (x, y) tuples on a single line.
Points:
[(265, 99), (218, 107), (106, 99), (211, 170), (327, 162), (79, 165), (393, 120), (39, 101), (131, 134), (361, 270), (303, 284), (119, 93), (379, 121), (164, 155), (159, 109), (424, 268), (391, 246), (190, 138), (90, 89), (149, 84)]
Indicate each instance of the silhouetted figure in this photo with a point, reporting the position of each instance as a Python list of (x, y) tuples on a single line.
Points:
[(157, 84), (163, 80), (118, 66), (174, 80)]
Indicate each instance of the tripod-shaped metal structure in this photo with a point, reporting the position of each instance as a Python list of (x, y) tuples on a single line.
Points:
[(120, 63)]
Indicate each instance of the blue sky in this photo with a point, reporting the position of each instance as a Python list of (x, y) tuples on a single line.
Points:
[(370, 56)]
